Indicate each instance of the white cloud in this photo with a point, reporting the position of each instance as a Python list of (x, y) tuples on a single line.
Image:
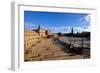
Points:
[(63, 29), (60, 29), (87, 18), (81, 29), (29, 26), (28, 23), (84, 20), (66, 29)]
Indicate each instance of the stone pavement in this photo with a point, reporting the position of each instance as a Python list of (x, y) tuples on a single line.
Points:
[(48, 50)]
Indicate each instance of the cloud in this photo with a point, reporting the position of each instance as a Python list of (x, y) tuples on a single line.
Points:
[(59, 29), (29, 26), (87, 18), (67, 29), (81, 29), (63, 29), (28, 23)]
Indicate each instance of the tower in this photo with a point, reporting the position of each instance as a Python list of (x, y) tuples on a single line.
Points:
[(41, 31), (72, 31), (39, 27)]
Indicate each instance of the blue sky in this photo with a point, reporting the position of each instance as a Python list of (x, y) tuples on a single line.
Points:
[(57, 21)]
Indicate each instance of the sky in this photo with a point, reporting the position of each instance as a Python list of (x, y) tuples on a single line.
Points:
[(57, 21)]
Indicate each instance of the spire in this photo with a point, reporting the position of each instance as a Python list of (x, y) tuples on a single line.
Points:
[(72, 30), (39, 27)]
